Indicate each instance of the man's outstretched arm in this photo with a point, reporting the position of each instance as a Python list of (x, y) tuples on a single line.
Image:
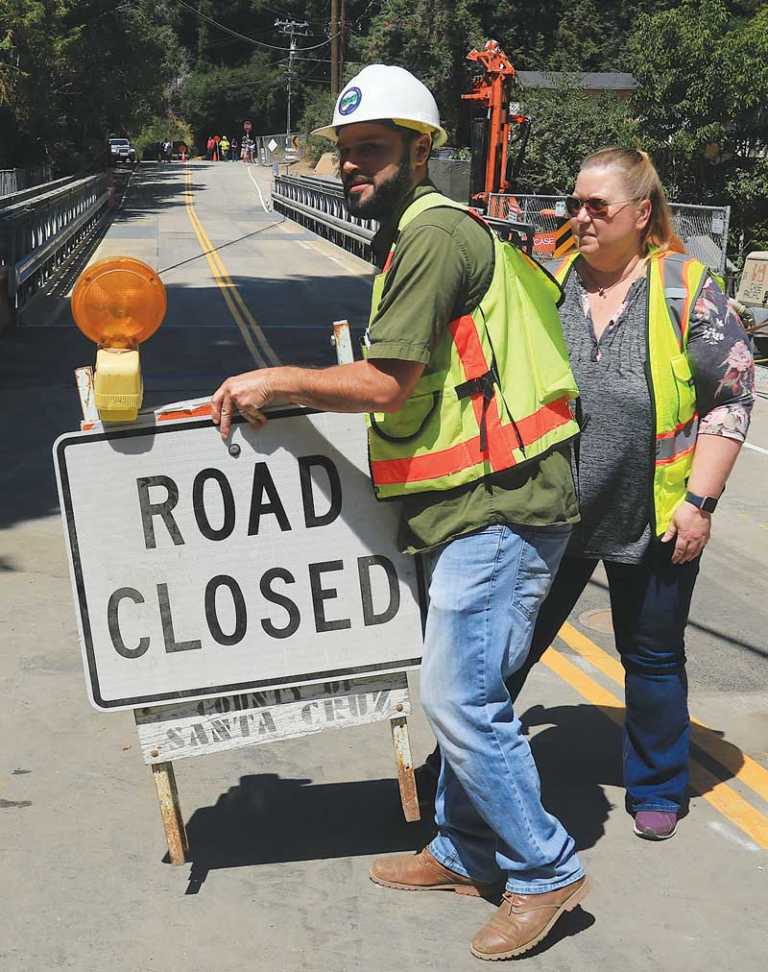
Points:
[(380, 385)]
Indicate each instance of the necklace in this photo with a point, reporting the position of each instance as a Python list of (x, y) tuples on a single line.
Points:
[(602, 290)]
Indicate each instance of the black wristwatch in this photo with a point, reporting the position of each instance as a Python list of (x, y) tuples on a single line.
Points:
[(708, 504)]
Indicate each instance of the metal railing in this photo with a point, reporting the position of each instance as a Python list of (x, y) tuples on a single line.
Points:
[(319, 205), (14, 180), (16, 197), (702, 229), (39, 233)]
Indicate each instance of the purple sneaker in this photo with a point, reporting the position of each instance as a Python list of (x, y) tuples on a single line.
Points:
[(655, 824)]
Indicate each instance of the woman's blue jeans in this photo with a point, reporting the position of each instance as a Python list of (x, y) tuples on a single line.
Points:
[(485, 593), (649, 605)]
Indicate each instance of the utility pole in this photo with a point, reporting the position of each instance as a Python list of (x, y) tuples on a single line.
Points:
[(292, 29), (335, 47)]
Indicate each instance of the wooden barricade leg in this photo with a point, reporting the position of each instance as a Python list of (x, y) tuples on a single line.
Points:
[(405, 776), (170, 811)]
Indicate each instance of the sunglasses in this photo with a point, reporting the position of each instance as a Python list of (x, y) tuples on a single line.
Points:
[(596, 208)]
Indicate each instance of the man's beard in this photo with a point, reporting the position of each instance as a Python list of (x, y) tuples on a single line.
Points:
[(384, 198)]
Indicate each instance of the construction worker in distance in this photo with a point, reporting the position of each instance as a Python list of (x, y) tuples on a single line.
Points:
[(468, 391)]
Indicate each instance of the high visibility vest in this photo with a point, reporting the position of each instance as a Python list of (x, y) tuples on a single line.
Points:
[(497, 390), (674, 283)]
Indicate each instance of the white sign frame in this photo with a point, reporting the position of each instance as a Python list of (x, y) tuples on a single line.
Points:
[(110, 701)]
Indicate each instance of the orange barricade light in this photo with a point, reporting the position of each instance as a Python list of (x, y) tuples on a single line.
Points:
[(118, 303)]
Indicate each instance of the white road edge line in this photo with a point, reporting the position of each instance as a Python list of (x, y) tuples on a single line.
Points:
[(748, 445), (729, 833), (314, 246), (258, 189)]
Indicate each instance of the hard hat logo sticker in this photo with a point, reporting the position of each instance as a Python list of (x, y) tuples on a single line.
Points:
[(350, 100)]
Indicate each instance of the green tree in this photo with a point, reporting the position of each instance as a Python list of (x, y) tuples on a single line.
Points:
[(318, 111), (160, 127), (216, 100), (568, 124), (431, 38), (702, 106), (82, 69), (580, 38)]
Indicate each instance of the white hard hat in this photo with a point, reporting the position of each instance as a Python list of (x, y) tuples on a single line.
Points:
[(383, 92)]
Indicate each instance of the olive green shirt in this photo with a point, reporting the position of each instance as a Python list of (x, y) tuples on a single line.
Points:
[(442, 267)]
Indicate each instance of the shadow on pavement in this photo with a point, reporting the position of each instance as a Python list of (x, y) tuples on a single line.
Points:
[(266, 819), (569, 924), (580, 751)]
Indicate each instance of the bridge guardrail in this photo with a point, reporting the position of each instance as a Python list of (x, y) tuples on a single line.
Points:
[(14, 180), (23, 194), (319, 205), (38, 233)]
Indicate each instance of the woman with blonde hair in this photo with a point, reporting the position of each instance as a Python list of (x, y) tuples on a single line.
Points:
[(666, 374)]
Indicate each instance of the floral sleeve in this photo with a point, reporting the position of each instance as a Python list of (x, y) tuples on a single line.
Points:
[(722, 365)]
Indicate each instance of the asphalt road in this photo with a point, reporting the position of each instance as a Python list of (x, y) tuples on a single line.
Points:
[(282, 835)]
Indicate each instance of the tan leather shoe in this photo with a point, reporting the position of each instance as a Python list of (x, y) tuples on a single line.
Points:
[(421, 872), (523, 920)]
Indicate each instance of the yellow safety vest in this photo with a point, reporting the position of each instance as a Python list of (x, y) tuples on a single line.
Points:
[(674, 283), (497, 390)]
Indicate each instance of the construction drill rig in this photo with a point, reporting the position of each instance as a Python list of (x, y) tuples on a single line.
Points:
[(494, 170), (498, 139)]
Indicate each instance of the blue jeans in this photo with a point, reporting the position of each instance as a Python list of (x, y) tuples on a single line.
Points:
[(649, 605), (485, 594)]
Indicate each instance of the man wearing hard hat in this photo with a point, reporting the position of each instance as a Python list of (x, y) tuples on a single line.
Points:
[(468, 393)]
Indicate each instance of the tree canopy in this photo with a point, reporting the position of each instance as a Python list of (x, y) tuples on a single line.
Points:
[(73, 72)]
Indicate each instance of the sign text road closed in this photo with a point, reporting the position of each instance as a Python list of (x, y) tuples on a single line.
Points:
[(201, 569)]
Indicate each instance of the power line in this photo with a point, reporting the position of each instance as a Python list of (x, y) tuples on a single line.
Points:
[(244, 37)]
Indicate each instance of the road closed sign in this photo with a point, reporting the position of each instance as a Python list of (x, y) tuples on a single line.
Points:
[(201, 568)]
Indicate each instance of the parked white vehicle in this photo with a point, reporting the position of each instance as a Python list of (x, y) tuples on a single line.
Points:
[(121, 150)]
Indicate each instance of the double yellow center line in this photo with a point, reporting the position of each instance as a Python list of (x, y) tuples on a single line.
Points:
[(735, 764), (255, 340)]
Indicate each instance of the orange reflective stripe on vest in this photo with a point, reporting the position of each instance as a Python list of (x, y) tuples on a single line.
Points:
[(470, 352), (416, 469)]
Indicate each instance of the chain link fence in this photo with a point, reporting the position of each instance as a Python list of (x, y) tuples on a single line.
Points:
[(704, 232), (702, 229)]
